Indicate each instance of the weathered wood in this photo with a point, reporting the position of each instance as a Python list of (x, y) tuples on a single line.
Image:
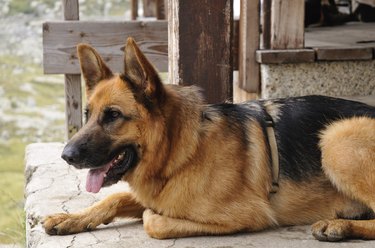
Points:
[(149, 8), (200, 46), (235, 43), (160, 10), (166, 9), (265, 15), (240, 95), (70, 9), (134, 9), (287, 24), (73, 103), (285, 56), (60, 40), (335, 53), (173, 44), (249, 74), (73, 94)]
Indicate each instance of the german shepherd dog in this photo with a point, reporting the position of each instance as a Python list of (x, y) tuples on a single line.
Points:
[(199, 169)]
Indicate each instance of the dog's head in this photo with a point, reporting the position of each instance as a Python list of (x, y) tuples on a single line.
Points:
[(119, 109)]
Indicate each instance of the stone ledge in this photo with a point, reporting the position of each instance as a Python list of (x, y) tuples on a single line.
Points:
[(52, 186)]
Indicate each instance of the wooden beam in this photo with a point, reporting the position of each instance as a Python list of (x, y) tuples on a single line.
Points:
[(73, 91), (200, 46), (287, 24), (249, 74), (60, 40), (342, 53), (285, 56), (265, 16)]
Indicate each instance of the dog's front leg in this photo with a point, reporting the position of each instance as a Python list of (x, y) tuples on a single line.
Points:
[(163, 227), (103, 212)]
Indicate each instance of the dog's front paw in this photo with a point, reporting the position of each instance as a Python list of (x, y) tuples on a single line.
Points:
[(155, 225), (331, 230), (63, 224)]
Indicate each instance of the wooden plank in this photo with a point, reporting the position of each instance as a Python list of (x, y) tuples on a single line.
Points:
[(265, 15), (73, 94), (60, 40), (341, 53), (201, 53), (173, 45), (285, 56), (249, 69), (287, 24), (73, 103)]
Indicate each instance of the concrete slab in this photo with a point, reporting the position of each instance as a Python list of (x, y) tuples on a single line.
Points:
[(52, 186)]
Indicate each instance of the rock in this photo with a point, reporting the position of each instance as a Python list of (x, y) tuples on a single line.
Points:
[(52, 186)]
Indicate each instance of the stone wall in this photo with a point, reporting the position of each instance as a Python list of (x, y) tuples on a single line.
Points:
[(344, 78)]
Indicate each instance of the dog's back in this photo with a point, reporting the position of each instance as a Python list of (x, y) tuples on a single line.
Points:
[(298, 123)]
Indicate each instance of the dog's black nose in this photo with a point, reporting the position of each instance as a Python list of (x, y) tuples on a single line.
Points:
[(71, 155)]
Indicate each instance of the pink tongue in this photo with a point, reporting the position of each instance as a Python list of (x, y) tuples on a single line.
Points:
[(95, 178)]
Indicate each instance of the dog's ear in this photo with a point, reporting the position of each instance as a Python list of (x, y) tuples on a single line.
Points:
[(141, 73), (93, 67)]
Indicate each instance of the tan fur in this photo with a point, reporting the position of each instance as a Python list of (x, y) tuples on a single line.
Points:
[(348, 156), (182, 186), (301, 203)]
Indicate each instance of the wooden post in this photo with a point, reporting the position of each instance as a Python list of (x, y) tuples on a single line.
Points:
[(160, 9), (149, 8), (134, 7), (73, 91), (248, 68), (287, 24), (265, 15), (200, 34)]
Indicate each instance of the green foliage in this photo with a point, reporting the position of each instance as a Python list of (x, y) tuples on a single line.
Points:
[(45, 93), (20, 6), (87, 7), (12, 222)]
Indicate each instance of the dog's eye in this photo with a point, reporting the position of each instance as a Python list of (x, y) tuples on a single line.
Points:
[(113, 114)]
